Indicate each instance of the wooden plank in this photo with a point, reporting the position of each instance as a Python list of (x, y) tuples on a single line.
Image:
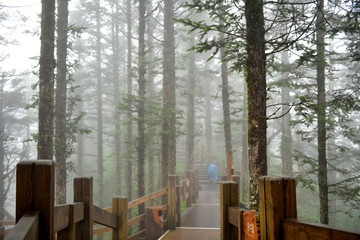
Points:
[(229, 197), (234, 202), (100, 230), (83, 192), (293, 229), (136, 219), (61, 215), (35, 192), (290, 198), (120, 209), (78, 211), (104, 218), (69, 232), (137, 235), (233, 216), (27, 228), (262, 207), (147, 198), (172, 201), (7, 222)]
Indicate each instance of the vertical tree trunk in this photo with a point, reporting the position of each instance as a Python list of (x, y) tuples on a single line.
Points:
[(286, 139), (129, 93), (80, 138), (99, 106), (244, 155), (169, 98), (141, 107), (150, 86), (190, 113), (2, 155), (256, 83), (46, 82), (116, 82), (225, 98), (321, 115), (208, 119), (60, 104)]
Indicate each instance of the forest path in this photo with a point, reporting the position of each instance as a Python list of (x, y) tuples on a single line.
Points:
[(202, 220)]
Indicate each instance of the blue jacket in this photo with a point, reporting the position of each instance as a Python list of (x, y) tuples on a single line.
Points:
[(212, 171)]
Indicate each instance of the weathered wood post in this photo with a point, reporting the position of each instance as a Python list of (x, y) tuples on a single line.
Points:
[(83, 192), (178, 202), (120, 208), (229, 197), (277, 201), (35, 192), (69, 232), (172, 202), (188, 200)]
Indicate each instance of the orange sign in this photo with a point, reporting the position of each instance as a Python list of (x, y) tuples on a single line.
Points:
[(251, 226)]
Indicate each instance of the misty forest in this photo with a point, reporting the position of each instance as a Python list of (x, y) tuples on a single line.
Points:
[(130, 91)]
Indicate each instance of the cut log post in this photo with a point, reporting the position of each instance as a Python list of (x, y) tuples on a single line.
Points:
[(35, 192), (277, 201), (120, 208), (229, 197), (172, 202), (83, 192)]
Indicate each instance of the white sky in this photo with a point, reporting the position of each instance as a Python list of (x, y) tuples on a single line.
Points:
[(28, 45)]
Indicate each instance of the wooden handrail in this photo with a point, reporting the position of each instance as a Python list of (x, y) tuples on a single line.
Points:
[(136, 219), (147, 198), (104, 218), (7, 222), (26, 228), (61, 213)]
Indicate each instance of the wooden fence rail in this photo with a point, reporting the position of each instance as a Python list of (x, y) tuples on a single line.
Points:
[(38, 218), (277, 218)]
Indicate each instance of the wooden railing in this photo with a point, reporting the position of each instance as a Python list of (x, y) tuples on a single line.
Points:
[(277, 217), (38, 218)]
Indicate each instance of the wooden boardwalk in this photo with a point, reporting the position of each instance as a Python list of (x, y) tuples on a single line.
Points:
[(202, 220)]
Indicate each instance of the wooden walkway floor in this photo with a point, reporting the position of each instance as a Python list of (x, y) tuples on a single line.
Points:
[(202, 220)]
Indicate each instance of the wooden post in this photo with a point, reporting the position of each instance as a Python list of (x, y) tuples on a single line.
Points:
[(188, 200), (178, 202), (277, 201), (35, 192), (120, 208), (229, 197), (196, 184), (230, 165), (193, 187), (83, 192), (2, 232), (172, 202), (68, 233)]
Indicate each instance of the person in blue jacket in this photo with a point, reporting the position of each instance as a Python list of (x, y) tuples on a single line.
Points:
[(213, 174)]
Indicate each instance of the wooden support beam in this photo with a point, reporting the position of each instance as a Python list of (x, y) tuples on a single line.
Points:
[(35, 192), (83, 192), (229, 197), (27, 228), (120, 209)]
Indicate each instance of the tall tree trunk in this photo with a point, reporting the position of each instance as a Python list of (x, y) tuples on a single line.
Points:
[(169, 99), (150, 87), (129, 93), (286, 139), (321, 115), (80, 140), (46, 82), (99, 106), (141, 107), (244, 152), (2, 155), (208, 119), (190, 113), (60, 104), (225, 98), (116, 82), (256, 83)]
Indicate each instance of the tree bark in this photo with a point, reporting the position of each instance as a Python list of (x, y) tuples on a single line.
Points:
[(208, 119), (190, 113), (321, 114), (286, 139), (100, 160), (244, 152), (256, 84), (141, 107), (60, 104), (129, 93), (46, 82), (169, 99)]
